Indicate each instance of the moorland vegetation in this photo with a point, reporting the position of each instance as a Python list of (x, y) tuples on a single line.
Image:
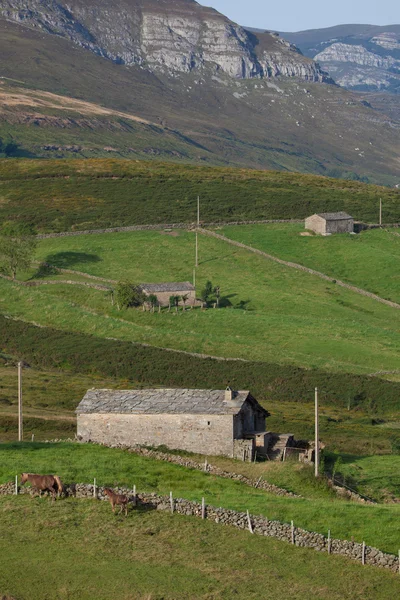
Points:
[(60, 195)]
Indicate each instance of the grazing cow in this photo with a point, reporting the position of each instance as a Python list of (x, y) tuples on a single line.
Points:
[(117, 500), (44, 483)]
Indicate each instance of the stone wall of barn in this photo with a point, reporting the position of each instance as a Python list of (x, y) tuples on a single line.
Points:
[(340, 226), (316, 224), (205, 434), (163, 297), (322, 227)]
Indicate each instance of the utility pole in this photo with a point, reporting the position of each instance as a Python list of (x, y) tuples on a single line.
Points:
[(20, 424), (316, 434), (380, 211), (197, 235), (194, 278), (198, 211)]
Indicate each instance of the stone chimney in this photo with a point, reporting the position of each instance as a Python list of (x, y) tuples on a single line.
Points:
[(228, 394)]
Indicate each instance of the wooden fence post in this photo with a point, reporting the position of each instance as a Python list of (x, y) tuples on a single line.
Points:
[(171, 501), (399, 561), (258, 482), (249, 523), (363, 553), (206, 466), (292, 532), (16, 485), (94, 488), (329, 541), (134, 492), (203, 508)]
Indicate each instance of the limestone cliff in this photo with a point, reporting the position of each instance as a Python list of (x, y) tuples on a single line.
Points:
[(172, 36), (363, 57)]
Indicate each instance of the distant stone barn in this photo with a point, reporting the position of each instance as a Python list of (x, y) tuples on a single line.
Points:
[(164, 291), (211, 422), (329, 223)]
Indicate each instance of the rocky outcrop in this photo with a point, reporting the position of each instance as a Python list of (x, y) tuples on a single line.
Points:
[(357, 57), (178, 36)]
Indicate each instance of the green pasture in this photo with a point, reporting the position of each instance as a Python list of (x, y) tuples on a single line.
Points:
[(269, 312), (60, 195), (369, 260), (376, 476), (89, 553), (320, 511)]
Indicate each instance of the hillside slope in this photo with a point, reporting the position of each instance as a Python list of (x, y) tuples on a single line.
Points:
[(59, 195), (277, 117)]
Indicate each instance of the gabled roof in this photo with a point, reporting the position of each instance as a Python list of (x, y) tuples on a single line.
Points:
[(164, 401), (153, 288), (338, 216)]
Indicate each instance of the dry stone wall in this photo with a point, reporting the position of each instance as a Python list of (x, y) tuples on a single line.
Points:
[(158, 227), (257, 524), (300, 268)]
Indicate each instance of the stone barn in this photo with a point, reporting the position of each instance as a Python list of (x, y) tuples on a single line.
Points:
[(211, 422), (164, 291), (328, 223)]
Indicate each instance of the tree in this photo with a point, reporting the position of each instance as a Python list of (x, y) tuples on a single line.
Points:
[(206, 292), (153, 300), (177, 299), (185, 298), (217, 292), (128, 294), (17, 247)]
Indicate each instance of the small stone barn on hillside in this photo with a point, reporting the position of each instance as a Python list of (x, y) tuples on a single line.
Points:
[(328, 223), (209, 422), (164, 291)]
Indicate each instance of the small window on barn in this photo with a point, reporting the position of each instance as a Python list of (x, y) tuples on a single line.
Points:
[(209, 423)]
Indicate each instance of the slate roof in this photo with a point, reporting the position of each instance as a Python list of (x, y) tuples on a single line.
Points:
[(153, 288), (338, 216), (163, 401)]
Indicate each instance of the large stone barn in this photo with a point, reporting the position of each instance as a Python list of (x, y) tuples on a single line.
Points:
[(328, 223), (209, 422), (164, 291)]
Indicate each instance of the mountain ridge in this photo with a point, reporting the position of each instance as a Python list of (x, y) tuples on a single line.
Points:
[(179, 36), (358, 57), (203, 115)]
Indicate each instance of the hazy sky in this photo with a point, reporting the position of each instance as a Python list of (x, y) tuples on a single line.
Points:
[(296, 15)]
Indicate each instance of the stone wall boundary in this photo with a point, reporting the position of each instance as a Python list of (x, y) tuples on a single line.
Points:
[(256, 524), (40, 282), (161, 226), (189, 463), (299, 267)]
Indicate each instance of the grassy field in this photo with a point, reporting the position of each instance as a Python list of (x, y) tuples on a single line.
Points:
[(154, 556), (57, 195), (319, 511), (270, 313), (376, 476), (369, 260)]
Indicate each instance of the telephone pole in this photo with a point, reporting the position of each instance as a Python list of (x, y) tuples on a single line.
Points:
[(197, 235), (20, 423), (380, 211), (316, 434)]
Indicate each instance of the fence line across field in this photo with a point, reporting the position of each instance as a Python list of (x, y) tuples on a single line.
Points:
[(290, 533)]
